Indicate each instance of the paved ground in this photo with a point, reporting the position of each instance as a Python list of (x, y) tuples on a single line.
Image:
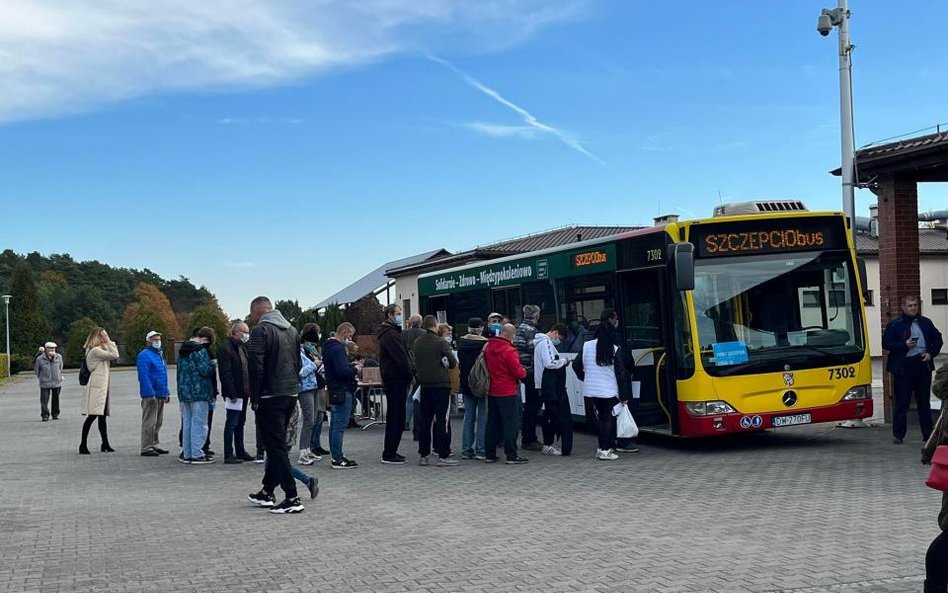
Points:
[(800, 510)]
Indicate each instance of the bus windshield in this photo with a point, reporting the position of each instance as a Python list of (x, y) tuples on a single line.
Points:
[(766, 313)]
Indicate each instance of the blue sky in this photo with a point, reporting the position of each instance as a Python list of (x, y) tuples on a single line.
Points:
[(287, 148)]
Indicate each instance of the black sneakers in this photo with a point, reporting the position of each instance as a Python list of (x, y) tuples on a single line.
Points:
[(159, 450), (232, 460), (517, 461), (261, 499), (313, 485), (395, 459), (150, 453), (320, 451), (344, 464), (202, 460), (288, 506)]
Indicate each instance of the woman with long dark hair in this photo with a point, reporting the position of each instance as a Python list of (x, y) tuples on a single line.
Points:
[(602, 371), (100, 352)]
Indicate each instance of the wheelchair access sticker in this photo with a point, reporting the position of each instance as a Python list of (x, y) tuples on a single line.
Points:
[(748, 422)]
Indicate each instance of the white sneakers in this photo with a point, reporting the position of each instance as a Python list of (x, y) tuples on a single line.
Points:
[(551, 450), (307, 457), (606, 455)]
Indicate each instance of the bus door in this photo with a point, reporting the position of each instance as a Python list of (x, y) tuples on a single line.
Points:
[(646, 335), (506, 301)]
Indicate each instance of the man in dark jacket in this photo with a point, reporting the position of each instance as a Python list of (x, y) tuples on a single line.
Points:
[(475, 408), (913, 343), (396, 377), (273, 361), (523, 342), (235, 387), (433, 357)]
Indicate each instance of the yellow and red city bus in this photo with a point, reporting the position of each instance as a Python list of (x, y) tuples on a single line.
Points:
[(735, 323)]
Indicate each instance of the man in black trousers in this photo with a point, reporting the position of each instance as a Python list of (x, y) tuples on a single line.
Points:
[(273, 356), (396, 371), (913, 343)]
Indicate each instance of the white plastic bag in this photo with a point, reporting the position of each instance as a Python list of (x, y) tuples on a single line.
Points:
[(626, 428)]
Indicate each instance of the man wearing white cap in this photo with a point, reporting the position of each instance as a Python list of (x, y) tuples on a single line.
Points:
[(49, 371), (153, 387)]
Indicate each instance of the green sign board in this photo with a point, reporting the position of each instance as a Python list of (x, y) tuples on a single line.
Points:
[(589, 260)]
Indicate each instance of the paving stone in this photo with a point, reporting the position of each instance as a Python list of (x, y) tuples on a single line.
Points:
[(800, 510)]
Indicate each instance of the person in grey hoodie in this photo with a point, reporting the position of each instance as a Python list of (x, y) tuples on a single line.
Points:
[(273, 359), (49, 371)]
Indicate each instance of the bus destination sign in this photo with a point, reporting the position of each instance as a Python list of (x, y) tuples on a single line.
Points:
[(768, 236), (590, 258), (541, 268)]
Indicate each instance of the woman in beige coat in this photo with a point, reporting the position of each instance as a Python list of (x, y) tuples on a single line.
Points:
[(100, 352)]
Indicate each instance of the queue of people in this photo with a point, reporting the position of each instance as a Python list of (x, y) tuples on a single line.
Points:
[(289, 382)]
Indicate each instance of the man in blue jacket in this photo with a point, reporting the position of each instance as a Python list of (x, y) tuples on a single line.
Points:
[(913, 343), (153, 387)]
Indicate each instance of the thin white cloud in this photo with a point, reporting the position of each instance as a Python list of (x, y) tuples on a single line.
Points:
[(241, 264), (60, 57), (502, 131), (527, 117)]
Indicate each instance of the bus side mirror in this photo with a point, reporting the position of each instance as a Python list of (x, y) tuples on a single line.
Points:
[(863, 278), (683, 258)]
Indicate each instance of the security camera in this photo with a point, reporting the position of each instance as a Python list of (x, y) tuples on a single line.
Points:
[(824, 25)]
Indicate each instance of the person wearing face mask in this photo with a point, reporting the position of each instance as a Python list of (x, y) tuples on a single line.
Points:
[(49, 371), (340, 378), (549, 377), (475, 408), (494, 323), (395, 366), (235, 388), (195, 393), (153, 387)]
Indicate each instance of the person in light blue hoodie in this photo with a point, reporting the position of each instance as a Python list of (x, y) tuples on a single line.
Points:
[(153, 387)]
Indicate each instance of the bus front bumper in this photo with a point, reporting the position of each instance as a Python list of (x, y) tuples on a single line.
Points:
[(692, 426)]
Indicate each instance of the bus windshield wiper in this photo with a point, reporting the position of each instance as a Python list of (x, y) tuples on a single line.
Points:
[(790, 348), (734, 368)]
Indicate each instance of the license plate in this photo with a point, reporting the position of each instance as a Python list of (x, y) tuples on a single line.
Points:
[(792, 420)]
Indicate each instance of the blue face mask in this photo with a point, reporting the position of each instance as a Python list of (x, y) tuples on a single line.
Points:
[(495, 327), (156, 344), (399, 320), (557, 342)]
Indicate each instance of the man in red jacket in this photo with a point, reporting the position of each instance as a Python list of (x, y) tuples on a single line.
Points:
[(505, 370)]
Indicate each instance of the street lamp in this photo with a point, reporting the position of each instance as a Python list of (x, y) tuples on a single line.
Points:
[(839, 18), (6, 303)]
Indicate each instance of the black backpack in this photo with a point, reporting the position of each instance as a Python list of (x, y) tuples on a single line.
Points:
[(84, 373)]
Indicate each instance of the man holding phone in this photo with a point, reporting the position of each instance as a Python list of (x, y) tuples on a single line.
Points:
[(913, 342)]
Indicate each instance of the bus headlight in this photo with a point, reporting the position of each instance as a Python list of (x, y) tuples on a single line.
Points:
[(858, 392), (709, 408)]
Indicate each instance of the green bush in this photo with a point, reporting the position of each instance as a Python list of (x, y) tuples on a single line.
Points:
[(20, 363), (79, 330), (3, 366)]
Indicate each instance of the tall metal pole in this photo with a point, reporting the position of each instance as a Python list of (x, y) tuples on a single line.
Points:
[(848, 168), (6, 303)]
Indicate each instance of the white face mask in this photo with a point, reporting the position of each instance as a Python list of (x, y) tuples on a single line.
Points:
[(244, 338)]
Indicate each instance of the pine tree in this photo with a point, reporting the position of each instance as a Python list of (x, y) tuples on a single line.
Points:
[(28, 326), (79, 330)]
